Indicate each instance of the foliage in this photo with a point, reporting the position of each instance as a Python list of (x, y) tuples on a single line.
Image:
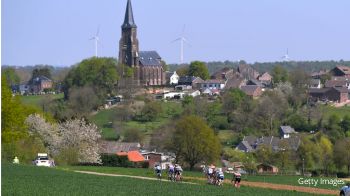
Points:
[(101, 73), (82, 101), (72, 134), (133, 135), (115, 161), (11, 76), (150, 112), (44, 71), (342, 154), (198, 69), (232, 99), (279, 74), (194, 141), (12, 116)]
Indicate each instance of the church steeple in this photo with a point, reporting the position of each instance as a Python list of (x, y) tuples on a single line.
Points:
[(129, 44), (129, 17)]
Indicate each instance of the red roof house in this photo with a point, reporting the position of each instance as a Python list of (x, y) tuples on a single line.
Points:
[(133, 156)]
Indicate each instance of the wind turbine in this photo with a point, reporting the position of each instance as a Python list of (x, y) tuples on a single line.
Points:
[(96, 38), (182, 40), (286, 56)]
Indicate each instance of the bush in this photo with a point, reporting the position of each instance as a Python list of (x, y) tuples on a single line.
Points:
[(67, 156), (115, 161)]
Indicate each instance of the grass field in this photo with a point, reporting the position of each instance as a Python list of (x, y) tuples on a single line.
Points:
[(30, 180), (276, 179), (104, 118), (35, 100), (329, 110)]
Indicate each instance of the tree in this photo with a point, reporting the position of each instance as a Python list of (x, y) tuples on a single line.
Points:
[(194, 141), (183, 71), (151, 111), (326, 153), (71, 135), (101, 73), (306, 153), (264, 154), (83, 100), (44, 71), (342, 154), (345, 123), (133, 135), (11, 76), (12, 115), (199, 69), (279, 74), (232, 100)]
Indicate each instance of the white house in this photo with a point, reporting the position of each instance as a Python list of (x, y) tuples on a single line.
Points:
[(213, 84), (172, 78), (286, 131), (193, 93), (315, 83)]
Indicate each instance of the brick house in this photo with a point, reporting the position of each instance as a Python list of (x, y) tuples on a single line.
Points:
[(252, 90), (335, 94), (39, 84)]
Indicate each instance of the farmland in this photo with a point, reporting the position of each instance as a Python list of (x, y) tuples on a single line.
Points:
[(29, 180), (104, 118), (36, 100), (192, 175)]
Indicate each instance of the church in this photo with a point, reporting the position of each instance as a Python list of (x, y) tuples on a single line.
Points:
[(147, 65)]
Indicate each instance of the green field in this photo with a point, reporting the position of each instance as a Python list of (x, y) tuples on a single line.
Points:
[(276, 179), (103, 119), (36, 100), (329, 110), (30, 180)]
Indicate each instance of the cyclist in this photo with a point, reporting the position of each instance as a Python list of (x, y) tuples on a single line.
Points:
[(158, 171)]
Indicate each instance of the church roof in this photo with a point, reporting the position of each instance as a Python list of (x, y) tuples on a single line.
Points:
[(129, 17), (149, 58)]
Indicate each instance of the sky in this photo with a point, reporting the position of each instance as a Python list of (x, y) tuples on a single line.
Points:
[(58, 32)]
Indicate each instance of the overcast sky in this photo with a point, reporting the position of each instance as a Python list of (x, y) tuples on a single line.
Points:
[(57, 32)]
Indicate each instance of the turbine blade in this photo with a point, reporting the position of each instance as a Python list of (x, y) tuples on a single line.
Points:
[(98, 30), (178, 39)]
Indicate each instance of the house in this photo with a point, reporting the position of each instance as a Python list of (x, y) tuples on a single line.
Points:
[(319, 74), (172, 78), (211, 92), (335, 94), (255, 82), (252, 90), (236, 81), (39, 84), (286, 131), (267, 168), (244, 146), (192, 93), (154, 158), (190, 81), (265, 78), (133, 156), (223, 74), (247, 72), (337, 83), (343, 71), (315, 83), (113, 147), (212, 84), (182, 87), (252, 143)]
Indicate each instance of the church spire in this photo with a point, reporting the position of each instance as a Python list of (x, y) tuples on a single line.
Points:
[(129, 17)]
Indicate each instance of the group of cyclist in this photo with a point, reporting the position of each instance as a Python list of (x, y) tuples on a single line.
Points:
[(174, 172), (215, 176)]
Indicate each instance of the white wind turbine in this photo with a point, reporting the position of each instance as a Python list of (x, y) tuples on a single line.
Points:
[(182, 40), (96, 38), (286, 56)]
